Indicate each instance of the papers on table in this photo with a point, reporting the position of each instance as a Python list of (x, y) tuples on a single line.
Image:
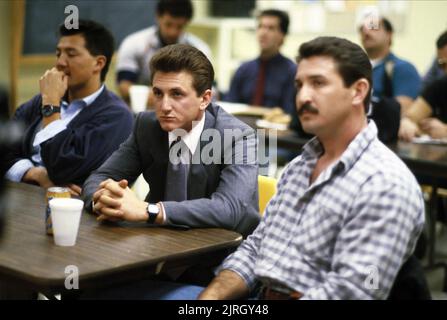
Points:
[(426, 139), (243, 109), (240, 109), (261, 123)]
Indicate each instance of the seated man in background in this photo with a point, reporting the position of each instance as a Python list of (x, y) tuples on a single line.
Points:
[(267, 80), (75, 123), (392, 76), (137, 49), (429, 113), (341, 223), (189, 185), (436, 70)]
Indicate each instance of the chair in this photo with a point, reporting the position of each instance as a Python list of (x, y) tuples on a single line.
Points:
[(267, 188), (410, 282)]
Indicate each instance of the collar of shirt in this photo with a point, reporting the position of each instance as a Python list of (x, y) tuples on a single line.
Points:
[(378, 62), (89, 99), (313, 149), (69, 108), (191, 139), (271, 59)]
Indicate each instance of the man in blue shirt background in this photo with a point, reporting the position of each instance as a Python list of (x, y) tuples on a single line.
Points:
[(268, 79), (405, 81)]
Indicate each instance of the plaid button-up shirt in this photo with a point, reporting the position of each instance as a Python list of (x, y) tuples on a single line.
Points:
[(346, 235)]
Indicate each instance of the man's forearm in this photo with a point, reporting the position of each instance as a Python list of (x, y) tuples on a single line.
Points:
[(405, 104), (226, 285), (38, 175)]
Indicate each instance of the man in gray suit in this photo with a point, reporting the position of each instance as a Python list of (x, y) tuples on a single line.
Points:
[(214, 183)]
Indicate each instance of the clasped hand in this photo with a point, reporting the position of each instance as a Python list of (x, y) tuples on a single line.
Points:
[(114, 201)]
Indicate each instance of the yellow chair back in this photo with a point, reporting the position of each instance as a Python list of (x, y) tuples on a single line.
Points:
[(266, 188)]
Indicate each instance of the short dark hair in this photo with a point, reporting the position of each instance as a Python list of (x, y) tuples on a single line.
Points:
[(442, 40), (182, 57), (351, 60), (281, 15), (175, 8), (387, 24), (98, 40)]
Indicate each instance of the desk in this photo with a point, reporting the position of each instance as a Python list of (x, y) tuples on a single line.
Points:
[(425, 159), (29, 258)]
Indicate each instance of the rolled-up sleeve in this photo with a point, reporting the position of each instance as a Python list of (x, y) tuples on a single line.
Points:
[(50, 131), (18, 170)]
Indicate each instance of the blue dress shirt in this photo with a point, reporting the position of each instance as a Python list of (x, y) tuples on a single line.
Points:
[(68, 112)]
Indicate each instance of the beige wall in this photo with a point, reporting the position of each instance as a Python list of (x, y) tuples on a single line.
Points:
[(421, 25), (5, 42), (424, 21), (200, 8)]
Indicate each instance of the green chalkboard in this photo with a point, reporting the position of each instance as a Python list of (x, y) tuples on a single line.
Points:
[(43, 17)]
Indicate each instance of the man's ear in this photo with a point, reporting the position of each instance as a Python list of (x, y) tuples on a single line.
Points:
[(206, 99), (100, 63), (360, 89)]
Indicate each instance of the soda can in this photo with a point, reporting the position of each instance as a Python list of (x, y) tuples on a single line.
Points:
[(53, 192)]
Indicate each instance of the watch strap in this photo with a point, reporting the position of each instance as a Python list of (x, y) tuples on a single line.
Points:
[(50, 109)]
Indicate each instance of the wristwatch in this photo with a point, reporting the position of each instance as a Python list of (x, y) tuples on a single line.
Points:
[(49, 109), (152, 211)]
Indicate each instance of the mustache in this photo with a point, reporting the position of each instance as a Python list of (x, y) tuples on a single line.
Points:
[(307, 107)]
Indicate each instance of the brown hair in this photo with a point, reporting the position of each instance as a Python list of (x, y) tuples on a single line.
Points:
[(351, 61), (182, 57)]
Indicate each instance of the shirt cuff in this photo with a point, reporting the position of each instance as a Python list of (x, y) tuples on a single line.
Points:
[(18, 170), (49, 131), (127, 75)]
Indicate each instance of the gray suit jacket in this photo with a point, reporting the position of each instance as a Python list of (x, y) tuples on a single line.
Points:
[(219, 194)]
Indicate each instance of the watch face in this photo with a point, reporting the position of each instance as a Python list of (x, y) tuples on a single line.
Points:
[(49, 109), (153, 208)]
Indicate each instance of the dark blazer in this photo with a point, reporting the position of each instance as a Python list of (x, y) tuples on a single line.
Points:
[(90, 138), (219, 195)]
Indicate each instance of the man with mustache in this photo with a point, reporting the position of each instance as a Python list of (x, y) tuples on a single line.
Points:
[(137, 49), (347, 212), (75, 123)]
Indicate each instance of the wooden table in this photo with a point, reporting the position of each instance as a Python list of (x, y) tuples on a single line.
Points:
[(103, 252)]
